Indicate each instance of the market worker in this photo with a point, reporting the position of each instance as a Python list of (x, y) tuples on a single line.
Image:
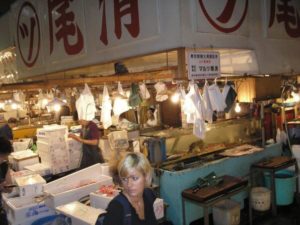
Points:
[(5, 178), (6, 129), (151, 117), (5, 149), (90, 135), (135, 174)]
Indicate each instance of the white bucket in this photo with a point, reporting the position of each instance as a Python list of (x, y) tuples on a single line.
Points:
[(260, 198)]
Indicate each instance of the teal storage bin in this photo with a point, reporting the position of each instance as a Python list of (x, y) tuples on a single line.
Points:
[(285, 184)]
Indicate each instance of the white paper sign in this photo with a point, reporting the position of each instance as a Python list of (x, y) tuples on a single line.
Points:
[(203, 65)]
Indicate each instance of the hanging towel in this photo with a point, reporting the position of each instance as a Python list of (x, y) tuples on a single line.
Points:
[(106, 109)]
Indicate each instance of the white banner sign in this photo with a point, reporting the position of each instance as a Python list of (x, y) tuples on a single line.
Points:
[(203, 65)]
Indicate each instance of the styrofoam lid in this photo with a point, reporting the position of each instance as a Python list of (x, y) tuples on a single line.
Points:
[(30, 180), (80, 211)]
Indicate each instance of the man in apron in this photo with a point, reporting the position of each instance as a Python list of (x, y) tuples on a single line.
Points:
[(89, 137)]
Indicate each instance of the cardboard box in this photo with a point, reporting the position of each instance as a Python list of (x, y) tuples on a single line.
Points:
[(79, 213), (31, 185), (22, 210), (75, 186)]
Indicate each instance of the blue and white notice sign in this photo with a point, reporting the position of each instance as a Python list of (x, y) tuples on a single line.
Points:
[(203, 65)]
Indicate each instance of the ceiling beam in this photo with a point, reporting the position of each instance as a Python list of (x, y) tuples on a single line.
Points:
[(169, 73)]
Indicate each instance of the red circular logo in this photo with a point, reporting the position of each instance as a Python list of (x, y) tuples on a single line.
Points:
[(221, 22), (28, 34)]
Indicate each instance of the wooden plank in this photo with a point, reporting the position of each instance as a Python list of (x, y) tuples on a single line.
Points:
[(229, 183), (71, 82)]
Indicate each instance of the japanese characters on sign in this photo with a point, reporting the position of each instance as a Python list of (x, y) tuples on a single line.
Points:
[(283, 19), (203, 65), (121, 9), (53, 35)]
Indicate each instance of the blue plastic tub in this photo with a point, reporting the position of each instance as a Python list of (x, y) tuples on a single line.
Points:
[(285, 184)]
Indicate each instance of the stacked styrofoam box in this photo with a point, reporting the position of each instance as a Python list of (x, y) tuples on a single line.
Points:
[(100, 200), (30, 185), (53, 148), (21, 144), (75, 151), (25, 210), (75, 186), (79, 213), (24, 158), (40, 169)]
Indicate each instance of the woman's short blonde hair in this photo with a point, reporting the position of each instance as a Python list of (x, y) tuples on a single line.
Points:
[(138, 161)]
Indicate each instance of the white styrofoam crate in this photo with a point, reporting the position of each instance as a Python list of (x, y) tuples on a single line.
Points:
[(19, 163), (75, 186), (52, 147), (21, 209), (21, 144), (79, 213), (101, 201), (105, 169), (40, 169), (31, 185)]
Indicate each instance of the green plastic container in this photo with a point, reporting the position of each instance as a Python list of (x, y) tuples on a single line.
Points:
[(285, 184)]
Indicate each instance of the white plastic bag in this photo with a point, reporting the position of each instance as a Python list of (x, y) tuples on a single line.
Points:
[(208, 111), (144, 91), (216, 98), (106, 109), (85, 105), (161, 92), (121, 102)]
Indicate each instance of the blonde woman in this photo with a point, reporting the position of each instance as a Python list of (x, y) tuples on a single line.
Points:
[(134, 205)]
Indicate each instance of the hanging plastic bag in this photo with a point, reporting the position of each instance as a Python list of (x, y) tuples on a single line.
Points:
[(144, 91), (208, 111), (106, 109), (161, 92), (216, 98), (134, 98), (85, 105), (121, 102)]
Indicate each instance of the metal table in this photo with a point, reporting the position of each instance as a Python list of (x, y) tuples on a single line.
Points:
[(272, 165), (208, 196)]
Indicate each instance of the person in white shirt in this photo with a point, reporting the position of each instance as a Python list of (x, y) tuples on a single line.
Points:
[(152, 117)]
